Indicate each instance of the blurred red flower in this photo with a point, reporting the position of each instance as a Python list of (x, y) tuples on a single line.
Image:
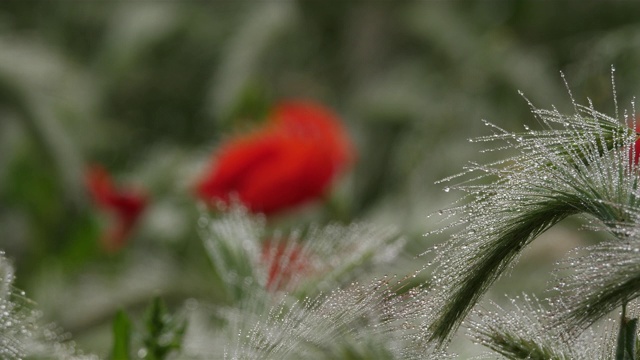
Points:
[(291, 160), (284, 262), (126, 206)]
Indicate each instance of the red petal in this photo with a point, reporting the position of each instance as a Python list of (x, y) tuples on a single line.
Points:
[(234, 165), (312, 121), (290, 161), (126, 205), (300, 172), (99, 185)]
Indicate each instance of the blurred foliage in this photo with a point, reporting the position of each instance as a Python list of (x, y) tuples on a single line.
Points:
[(161, 335), (150, 88)]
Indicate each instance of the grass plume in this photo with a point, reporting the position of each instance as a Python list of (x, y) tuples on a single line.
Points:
[(573, 166)]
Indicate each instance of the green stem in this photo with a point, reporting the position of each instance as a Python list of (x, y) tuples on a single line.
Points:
[(627, 336), (40, 122)]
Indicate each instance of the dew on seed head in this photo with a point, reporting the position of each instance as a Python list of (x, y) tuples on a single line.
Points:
[(577, 163)]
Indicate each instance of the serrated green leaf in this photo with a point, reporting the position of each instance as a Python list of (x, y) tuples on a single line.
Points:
[(164, 333)]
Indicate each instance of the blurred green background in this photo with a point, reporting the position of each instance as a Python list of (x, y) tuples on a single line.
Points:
[(149, 89)]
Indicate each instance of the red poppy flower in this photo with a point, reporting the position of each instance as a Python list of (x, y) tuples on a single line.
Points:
[(284, 262), (291, 160), (126, 206)]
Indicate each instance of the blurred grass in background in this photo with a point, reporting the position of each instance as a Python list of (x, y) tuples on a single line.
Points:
[(150, 88)]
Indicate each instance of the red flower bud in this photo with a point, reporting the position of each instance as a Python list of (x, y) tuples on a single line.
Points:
[(291, 160), (284, 263), (126, 206), (634, 151)]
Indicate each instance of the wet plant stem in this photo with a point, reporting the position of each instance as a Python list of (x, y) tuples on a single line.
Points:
[(627, 336)]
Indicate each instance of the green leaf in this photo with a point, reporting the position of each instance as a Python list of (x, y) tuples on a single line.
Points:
[(164, 332), (121, 337)]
